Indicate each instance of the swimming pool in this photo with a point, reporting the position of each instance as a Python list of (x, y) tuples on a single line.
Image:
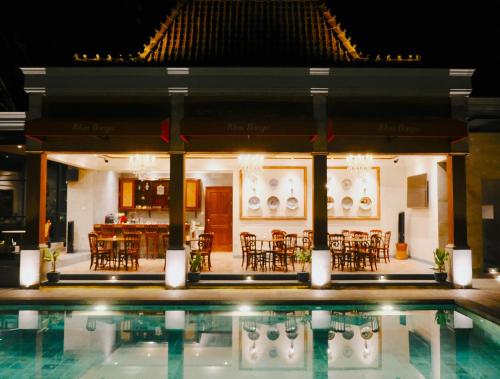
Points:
[(385, 341)]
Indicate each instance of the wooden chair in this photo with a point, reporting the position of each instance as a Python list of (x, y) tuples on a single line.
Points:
[(131, 251), (243, 247), (307, 239), (385, 247), (152, 235), (278, 246), (290, 249), (205, 248), (337, 246), (253, 255), (98, 252), (165, 238)]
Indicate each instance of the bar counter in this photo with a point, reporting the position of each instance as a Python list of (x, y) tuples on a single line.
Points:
[(162, 228)]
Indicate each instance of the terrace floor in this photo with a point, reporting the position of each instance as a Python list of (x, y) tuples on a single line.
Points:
[(227, 264)]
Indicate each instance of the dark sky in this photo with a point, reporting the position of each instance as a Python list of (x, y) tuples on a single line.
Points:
[(446, 34)]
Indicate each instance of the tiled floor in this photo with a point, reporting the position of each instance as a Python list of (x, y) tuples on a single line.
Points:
[(225, 263)]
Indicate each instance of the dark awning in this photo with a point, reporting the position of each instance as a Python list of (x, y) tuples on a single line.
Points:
[(47, 127), (249, 117), (397, 127)]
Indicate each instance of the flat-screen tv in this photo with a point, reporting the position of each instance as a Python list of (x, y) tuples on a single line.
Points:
[(418, 191)]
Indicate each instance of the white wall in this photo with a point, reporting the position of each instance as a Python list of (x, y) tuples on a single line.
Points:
[(90, 199), (422, 224), (392, 201)]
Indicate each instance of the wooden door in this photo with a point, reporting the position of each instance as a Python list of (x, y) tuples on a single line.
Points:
[(219, 217)]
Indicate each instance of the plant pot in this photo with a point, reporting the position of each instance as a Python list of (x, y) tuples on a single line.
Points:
[(440, 276), (53, 276), (193, 277), (401, 250), (303, 277)]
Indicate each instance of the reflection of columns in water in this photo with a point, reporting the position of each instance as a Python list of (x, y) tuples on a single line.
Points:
[(31, 342), (174, 324), (320, 325), (320, 354)]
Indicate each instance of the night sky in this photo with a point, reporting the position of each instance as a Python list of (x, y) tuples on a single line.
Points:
[(44, 33)]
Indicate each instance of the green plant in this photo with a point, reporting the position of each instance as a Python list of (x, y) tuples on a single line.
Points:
[(304, 257), (442, 317), (440, 258), (51, 255), (195, 262)]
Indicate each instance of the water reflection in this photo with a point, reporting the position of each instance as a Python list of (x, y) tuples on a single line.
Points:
[(228, 343)]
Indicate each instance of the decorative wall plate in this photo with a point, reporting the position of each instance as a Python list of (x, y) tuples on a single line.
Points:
[(273, 202), (254, 203), (292, 203), (273, 182), (329, 202), (347, 202), (365, 203), (346, 184)]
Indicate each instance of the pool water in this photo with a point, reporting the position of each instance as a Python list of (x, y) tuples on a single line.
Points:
[(424, 341)]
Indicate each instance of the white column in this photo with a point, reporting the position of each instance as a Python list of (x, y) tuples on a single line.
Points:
[(29, 271), (461, 321), (175, 272), (321, 269), (320, 320), (462, 268), (175, 320), (28, 320)]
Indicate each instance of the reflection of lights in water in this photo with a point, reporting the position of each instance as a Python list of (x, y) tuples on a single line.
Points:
[(291, 351), (366, 351)]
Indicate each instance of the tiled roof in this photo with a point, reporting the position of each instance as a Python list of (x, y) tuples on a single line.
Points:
[(248, 32)]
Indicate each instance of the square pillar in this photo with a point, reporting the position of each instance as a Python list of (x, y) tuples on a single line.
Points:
[(461, 257), (321, 257), (36, 198), (175, 273)]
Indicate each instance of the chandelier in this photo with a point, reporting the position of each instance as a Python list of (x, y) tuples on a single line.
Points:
[(359, 164), (251, 163), (141, 164)]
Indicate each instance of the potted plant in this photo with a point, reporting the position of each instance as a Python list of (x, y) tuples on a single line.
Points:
[(51, 255), (442, 317), (440, 258), (304, 257), (195, 263)]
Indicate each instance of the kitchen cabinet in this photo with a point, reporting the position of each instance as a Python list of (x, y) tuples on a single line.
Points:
[(126, 195), (155, 194), (192, 194)]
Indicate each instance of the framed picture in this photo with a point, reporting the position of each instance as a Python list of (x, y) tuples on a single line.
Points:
[(274, 193), (353, 196)]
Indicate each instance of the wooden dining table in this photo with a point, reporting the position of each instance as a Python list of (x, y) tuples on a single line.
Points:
[(114, 250)]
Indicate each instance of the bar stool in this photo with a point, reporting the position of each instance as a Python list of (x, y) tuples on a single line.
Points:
[(151, 233)]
